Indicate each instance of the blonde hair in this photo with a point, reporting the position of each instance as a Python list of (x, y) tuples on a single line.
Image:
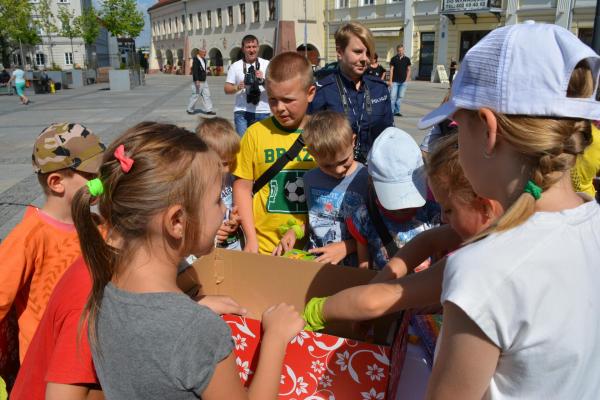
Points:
[(287, 66), (549, 144), (346, 31), (220, 136), (326, 133), (171, 166), (445, 172)]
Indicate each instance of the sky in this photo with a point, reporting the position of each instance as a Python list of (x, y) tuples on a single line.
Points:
[(144, 38)]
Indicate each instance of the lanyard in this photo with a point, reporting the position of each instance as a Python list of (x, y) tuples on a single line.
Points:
[(347, 104)]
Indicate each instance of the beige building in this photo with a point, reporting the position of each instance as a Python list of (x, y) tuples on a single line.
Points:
[(219, 25), (435, 31)]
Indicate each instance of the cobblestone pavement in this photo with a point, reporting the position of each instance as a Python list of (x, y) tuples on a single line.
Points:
[(107, 113)]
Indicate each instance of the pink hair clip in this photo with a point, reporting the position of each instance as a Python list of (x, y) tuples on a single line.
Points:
[(126, 162)]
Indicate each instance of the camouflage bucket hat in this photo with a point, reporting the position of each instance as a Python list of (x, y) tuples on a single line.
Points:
[(67, 145)]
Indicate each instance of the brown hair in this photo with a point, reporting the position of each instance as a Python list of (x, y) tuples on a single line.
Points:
[(326, 133), (549, 145), (220, 136), (346, 31), (289, 65), (171, 166), (445, 172)]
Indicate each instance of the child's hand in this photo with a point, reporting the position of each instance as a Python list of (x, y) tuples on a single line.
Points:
[(286, 243), (224, 232), (332, 253), (222, 305), (234, 218), (282, 322)]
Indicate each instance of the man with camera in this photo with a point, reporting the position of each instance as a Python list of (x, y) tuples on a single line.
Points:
[(245, 79), (199, 86)]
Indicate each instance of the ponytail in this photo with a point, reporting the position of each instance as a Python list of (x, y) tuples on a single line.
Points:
[(98, 255)]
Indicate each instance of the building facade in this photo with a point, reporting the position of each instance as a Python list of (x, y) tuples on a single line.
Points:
[(55, 49), (435, 31), (218, 26)]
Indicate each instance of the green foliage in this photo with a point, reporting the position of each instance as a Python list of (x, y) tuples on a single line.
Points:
[(69, 28), (88, 26), (15, 26), (122, 18), (55, 67)]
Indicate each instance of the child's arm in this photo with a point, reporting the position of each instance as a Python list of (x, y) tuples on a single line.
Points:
[(362, 252), (288, 240), (438, 240), (60, 391), (16, 268), (374, 300), (280, 323), (466, 360), (334, 252), (242, 198)]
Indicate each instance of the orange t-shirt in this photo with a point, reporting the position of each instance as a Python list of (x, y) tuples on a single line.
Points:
[(33, 258)]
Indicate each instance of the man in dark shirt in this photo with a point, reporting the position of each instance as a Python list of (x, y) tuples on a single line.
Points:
[(200, 86), (399, 77)]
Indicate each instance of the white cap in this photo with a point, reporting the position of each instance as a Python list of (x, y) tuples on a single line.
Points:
[(521, 69), (396, 167)]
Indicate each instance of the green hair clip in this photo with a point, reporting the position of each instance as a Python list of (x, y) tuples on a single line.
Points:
[(95, 187), (292, 224), (533, 190)]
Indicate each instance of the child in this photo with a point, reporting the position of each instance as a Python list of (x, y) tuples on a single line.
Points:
[(221, 137), (520, 304), (159, 192), (38, 251), (466, 215), (398, 193), (290, 89), (334, 190)]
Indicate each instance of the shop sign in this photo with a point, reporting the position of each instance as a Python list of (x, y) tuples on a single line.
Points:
[(465, 5)]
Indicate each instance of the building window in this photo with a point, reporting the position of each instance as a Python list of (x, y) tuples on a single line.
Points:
[(209, 19), (368, 2), (170, 27), (40, 59), (219, 20), (272, 10), (164, 27), (190, 22), (68, 58), (586, 35), (230, 15), (256, 9), (63, 1), (242, 14), (183, 27), (199, 21), (341, 4)]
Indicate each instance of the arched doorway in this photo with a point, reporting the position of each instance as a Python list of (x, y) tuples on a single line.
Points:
[(169, 57), (312, 53), (216, 61), (235, 54), (265, 51), (180, 58)]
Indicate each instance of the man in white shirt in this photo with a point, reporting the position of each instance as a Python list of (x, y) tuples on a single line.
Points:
[(245, 79), (200, 86)]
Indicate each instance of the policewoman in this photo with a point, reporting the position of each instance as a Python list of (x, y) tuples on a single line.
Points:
[(362, 97)]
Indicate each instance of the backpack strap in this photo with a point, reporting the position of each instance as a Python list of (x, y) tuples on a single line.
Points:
[(278, 165), (382, 231)]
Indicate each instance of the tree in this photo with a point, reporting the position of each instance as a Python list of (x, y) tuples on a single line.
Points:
[(68, 27), (47, 22), (16, 28), (122, 18), (88, 26)]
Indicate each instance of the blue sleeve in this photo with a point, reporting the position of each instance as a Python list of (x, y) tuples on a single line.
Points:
[(319, 103), (388, 116)]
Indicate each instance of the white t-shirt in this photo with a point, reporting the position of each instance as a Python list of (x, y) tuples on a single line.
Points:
[(535, 292), (235, 76), (19, 75)]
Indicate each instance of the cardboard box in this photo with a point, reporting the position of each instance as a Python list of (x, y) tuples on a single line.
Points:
[(328, 365)]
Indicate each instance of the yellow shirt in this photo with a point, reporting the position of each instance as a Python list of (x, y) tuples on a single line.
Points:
[(283, 197), (587, 165)]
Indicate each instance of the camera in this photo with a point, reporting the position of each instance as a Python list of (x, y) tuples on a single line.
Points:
[(252, 84)]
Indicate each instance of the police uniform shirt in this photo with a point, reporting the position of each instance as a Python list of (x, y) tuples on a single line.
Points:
[(328, 98)]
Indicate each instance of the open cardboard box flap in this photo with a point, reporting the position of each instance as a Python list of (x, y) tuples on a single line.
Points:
[(257, 282)]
